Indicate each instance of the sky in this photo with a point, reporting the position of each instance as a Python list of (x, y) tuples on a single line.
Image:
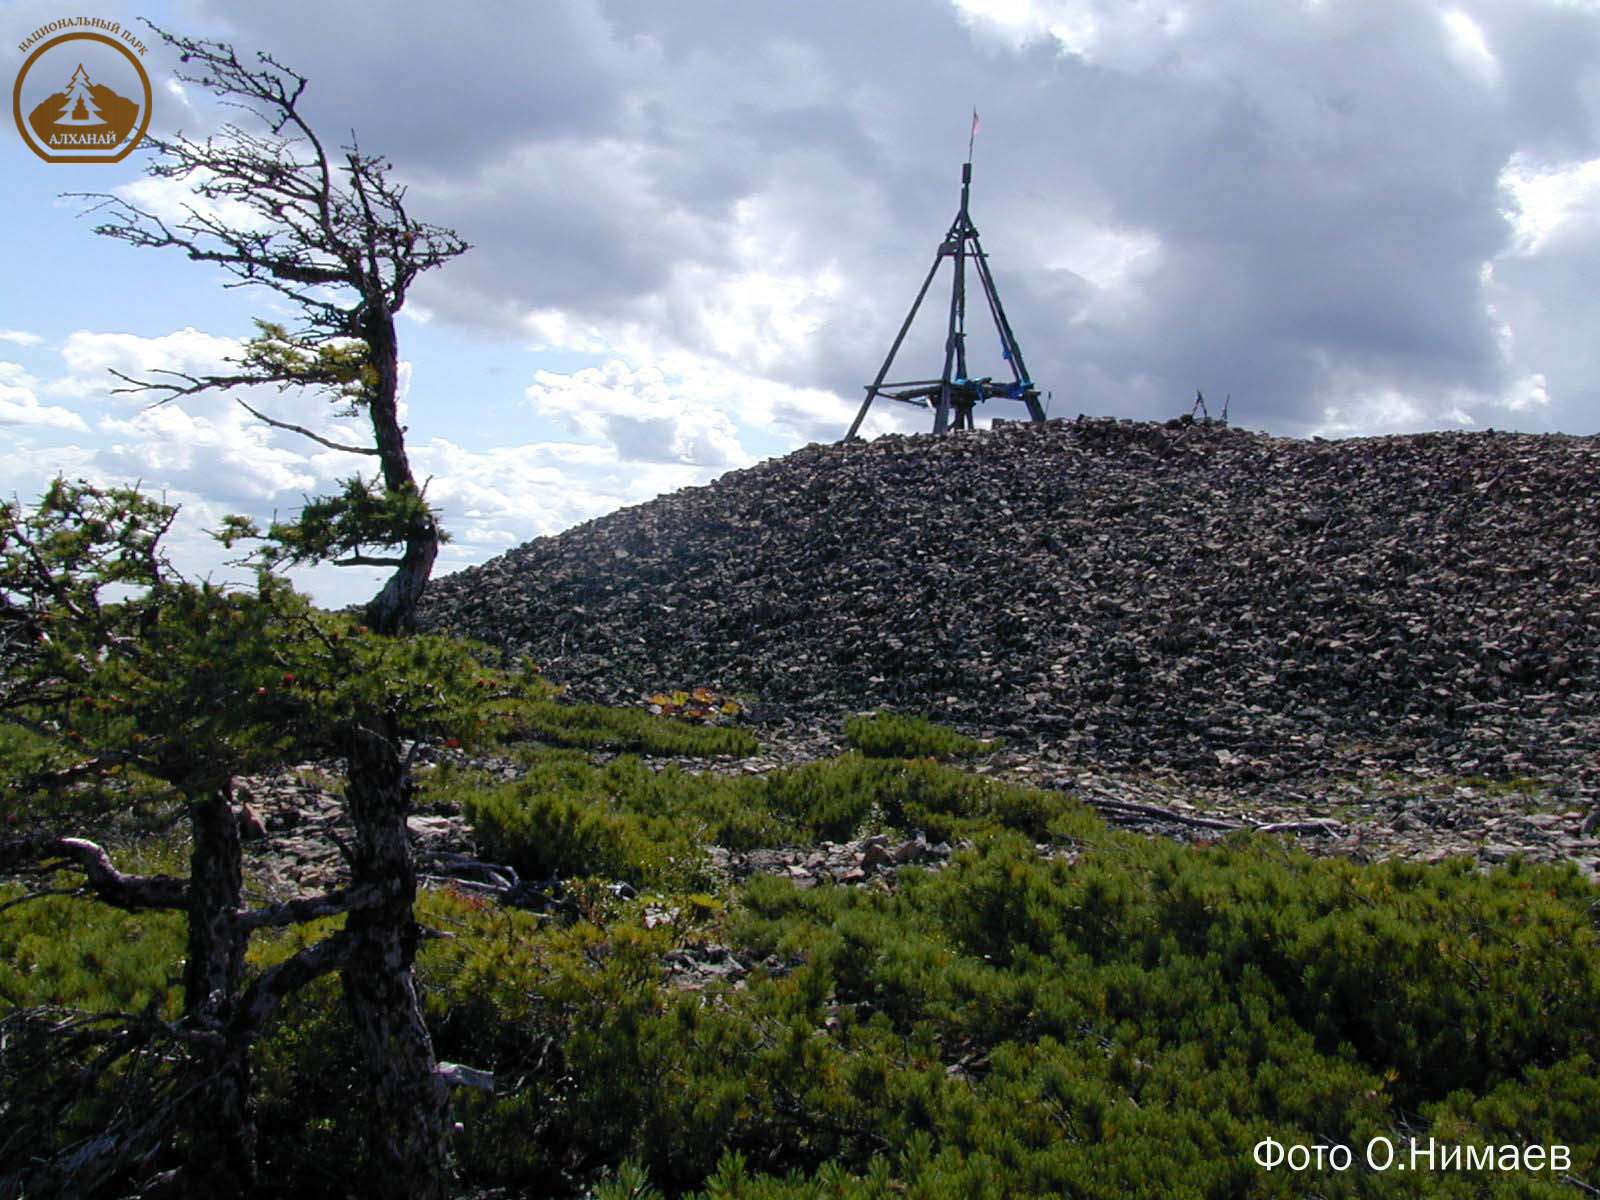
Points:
[(697, 225)]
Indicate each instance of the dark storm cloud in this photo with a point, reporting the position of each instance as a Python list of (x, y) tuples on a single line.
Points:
[(443, 88), (1316, 186), (1550, 54)]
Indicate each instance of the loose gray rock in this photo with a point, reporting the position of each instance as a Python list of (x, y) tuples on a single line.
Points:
[(1238, 608)]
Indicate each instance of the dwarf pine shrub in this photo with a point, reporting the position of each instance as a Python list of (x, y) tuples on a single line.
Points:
[(1127, 1024), (67, 952), (600, 727), (846, 796), (64, 962), (626, 820), (622, 820), (1131, 1025), (894, 735)]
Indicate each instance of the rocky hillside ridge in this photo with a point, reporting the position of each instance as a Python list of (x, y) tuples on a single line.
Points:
[(1185, 597)]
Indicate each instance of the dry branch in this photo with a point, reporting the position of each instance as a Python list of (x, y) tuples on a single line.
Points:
[(114, 887)]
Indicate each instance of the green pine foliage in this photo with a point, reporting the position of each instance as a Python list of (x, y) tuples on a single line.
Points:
[(124, 689), (363, 514), (189, 683), (1127, 1026), (308, 1080), (894, 735), (626, 820), (61, 951), (1127, 1021), (623, 821), (634, 731), (70, 972)]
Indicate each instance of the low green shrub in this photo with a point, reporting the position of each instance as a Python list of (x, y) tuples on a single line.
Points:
[(1554, 1105), (623, 820), (1125, 1042), (626, 820), (1127, 1023), (561, 820), (69, 952), (1131, 1025), (833, 799), (546, 835), (1134, 1023), (126, 801), (893, 735), (307, 1076), (64, 961), (846, 796), (600, 727)]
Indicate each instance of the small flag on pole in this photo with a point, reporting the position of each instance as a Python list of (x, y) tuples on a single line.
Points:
[(974, 135)]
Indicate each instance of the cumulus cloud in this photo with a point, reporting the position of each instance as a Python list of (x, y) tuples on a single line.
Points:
[(207, 444), (225, 456), (91, 358), (686, 410), (1548, 204), (210, 456), (19, 404), (496, 498), (207, 451)]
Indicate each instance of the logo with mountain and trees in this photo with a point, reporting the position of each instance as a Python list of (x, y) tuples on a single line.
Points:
[(101, 109)]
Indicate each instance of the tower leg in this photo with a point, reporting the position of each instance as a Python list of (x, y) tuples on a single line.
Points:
[(883, 371), (1019, 369), (953, 350)]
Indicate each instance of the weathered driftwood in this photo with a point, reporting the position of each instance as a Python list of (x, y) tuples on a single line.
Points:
[(1129, 812)]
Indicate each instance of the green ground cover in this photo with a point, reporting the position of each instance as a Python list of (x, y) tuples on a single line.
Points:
[(1125, 1017)]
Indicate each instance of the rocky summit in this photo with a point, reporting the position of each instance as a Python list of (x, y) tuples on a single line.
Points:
[(1186, 597)]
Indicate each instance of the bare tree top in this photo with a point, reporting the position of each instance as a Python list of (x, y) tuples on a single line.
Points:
[(274, 207)]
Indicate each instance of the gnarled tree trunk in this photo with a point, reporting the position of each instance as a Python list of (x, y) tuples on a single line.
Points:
[(220, 1127), (409, 1125), (338, 233), (394, 609)]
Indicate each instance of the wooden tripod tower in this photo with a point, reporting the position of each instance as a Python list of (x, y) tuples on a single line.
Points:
[(953, 395)]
